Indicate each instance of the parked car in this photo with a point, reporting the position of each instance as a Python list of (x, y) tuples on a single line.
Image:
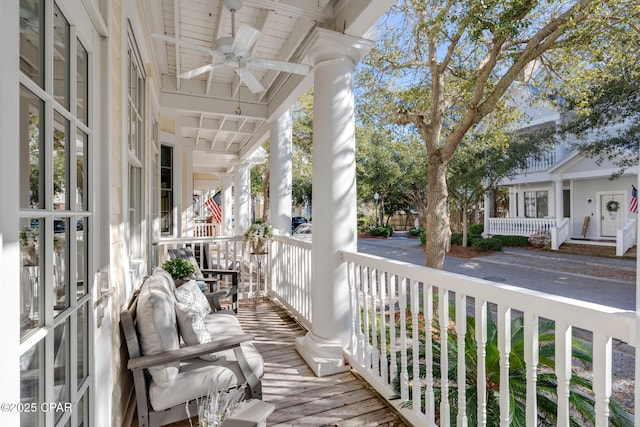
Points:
[(296, 221), (303, 232)]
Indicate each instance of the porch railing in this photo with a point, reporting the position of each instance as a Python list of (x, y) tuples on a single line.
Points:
[(519, 226), (291, 276), (397, 344), (626, 237), (560, 234)]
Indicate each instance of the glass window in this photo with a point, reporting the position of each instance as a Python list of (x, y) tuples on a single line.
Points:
[(166, 189), (31, 150), (61, 53), (32, 385), (31, 250), (135, 143), (32, 40), (61, 241), (536, 204), (82, 83), (82, 250), (81, 147), (60, 162)]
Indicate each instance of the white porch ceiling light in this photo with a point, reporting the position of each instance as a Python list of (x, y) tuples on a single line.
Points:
[(235, 52)]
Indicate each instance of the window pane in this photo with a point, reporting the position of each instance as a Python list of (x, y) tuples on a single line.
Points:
[(83, 409), (32, 385), (61, 74), (60, 162), (61, 377), (31, 150), (82, 143), (82, 345), (542, 204), (60, 264), (82, 84), (83, 250), (30, 292), (32, 40)]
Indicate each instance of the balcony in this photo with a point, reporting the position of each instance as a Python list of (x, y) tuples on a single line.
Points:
[(393, 304)]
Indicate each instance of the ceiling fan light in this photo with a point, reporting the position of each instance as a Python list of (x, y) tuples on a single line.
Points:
[(234, 5)]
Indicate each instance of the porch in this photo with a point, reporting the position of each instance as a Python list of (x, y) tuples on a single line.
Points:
[(560, 232), (392, 305)]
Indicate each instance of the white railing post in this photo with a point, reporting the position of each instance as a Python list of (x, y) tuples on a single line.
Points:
[(461, 330), (563, 370), (602, 366), (443, 305), (504, 347), (481, 340)]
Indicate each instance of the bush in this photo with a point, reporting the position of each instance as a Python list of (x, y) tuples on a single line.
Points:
[(513, 240), (490, 244), (540, 237), (364, 224), (382, 231), (423, 238), (415, 232), (477, 229), (456, 238)]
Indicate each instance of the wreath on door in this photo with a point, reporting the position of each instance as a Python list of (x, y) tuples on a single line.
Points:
[(613, 206)]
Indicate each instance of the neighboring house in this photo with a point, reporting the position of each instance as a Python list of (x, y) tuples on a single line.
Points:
[(568, 194)]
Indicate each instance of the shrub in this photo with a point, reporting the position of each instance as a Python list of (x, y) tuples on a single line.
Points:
[(541, 237), (513, 240), (382, 231), (490, 244), (476, 229), (415, 232), (456, 238), (423, 238)]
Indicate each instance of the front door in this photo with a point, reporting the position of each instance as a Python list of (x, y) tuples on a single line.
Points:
[(611, 214)]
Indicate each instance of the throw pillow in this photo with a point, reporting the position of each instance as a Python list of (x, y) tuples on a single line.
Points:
[(193, 329), (192, 298)]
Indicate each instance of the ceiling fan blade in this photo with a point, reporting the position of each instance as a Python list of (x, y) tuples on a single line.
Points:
[(250, 80), (288, 67), (185, 44), (244, 40), (200, 70)]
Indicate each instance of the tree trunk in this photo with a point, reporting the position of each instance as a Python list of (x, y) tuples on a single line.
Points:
[(438, 228), (265, 193), (465, 227)]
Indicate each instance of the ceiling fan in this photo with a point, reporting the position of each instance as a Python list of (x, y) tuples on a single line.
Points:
[(235, 51)]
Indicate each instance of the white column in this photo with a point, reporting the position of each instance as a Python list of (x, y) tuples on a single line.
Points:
[(280, 175), (187, 196), (513, 202), (241, 197), (559, 189), (334, 201), (227, 204), (487, 211)]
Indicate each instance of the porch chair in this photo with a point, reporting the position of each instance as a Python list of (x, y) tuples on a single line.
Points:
[(210, 276)]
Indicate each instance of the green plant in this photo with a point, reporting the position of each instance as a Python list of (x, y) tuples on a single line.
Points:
[(582, 404), (382, 231), (179, 268), (456, 238), (513, 240), (490, 244), (415, 232), (540, 237), (258, 232), (476, 229)]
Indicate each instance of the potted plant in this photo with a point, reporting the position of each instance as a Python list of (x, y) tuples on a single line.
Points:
[(258, 235), (180, 269)]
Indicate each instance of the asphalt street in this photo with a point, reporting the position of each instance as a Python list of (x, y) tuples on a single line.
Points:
[(607, 281)]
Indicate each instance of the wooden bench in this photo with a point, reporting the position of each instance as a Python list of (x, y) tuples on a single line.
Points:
[(169, 377)]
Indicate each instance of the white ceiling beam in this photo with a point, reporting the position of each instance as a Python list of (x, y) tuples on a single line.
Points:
[(222, 11), (176, 25), (176, 101), (318, 10), (357, 17)]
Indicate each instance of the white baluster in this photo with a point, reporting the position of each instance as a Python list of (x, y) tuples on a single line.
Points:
[(375, 355), (563, 370), (443, 305), (481, 340), (392, 326), (384, 364), (461, 330), (602, 377), (415, 336), (429, 405), (531, 360), (504, 347), (404, 374)]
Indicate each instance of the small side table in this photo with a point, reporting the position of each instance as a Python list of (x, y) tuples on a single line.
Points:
[(253, 413), (259, 257)]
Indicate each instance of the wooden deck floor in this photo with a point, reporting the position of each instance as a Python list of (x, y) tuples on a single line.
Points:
[(300, 397)]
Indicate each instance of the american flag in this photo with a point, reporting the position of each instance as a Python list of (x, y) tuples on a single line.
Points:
[(633, 205), (215, 210)]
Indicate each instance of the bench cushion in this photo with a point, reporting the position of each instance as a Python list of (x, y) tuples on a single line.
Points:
[(191, 299), (157, 327)]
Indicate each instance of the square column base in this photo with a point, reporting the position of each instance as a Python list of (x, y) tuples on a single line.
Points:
[(323, 359)]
